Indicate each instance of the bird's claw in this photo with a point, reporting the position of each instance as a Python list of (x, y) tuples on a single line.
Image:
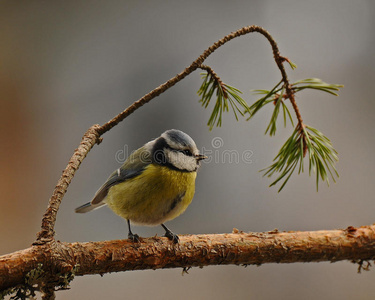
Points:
[(172, 236), (134, 237)]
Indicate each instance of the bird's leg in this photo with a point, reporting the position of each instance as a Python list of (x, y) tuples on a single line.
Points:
[(170, 235), (133, 237)]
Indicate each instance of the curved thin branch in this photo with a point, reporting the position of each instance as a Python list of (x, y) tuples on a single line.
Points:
[(92, 136), (238, 248), (197, 64), (49, 218)]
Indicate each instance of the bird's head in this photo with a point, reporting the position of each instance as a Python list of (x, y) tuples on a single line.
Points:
[(177, 150)]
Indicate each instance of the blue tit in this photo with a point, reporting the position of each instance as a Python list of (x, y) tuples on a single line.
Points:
[(154, 185)]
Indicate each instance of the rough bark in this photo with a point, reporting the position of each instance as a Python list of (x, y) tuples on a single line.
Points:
[(238, 248)]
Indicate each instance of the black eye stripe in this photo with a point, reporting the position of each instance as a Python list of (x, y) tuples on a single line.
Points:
[(186, 152)]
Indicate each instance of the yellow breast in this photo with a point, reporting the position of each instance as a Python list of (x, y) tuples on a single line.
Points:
[(155, 196)]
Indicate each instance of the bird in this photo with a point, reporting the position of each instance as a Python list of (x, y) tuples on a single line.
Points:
[(155, 184)]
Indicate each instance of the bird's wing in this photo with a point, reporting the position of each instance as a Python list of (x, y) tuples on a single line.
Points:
[(133, 166)]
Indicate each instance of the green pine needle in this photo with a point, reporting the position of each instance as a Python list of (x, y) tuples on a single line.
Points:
[(317, 84), (275, 96), (292, 65), (226, 96), (272, 125), (268, 98)]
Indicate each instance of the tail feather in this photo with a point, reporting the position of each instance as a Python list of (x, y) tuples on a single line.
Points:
[(88, 207)]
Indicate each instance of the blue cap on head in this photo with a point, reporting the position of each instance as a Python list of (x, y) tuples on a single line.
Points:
[(176, 137)]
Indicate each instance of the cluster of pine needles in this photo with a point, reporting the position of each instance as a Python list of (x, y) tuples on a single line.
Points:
[(305, 140)]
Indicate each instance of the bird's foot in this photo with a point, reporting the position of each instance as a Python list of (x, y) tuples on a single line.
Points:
[(172, 236), (134, 237)]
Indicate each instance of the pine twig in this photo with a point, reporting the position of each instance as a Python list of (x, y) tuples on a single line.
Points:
[(225, 94)]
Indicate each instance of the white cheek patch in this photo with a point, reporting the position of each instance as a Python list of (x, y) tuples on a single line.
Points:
[(181, 161)]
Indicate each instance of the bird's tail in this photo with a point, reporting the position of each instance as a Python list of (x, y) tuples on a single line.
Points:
[(88, 207)]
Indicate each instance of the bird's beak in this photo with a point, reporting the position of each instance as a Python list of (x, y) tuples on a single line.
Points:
[(200, 157)]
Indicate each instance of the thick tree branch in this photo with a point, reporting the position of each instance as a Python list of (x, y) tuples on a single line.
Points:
[(193, 250)]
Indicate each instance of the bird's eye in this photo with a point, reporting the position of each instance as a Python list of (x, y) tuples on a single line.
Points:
[(187, 152)]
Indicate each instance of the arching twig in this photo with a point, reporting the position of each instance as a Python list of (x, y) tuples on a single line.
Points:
[(94, 133)]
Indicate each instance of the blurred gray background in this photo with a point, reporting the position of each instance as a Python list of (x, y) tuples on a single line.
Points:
[(65, 65)]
